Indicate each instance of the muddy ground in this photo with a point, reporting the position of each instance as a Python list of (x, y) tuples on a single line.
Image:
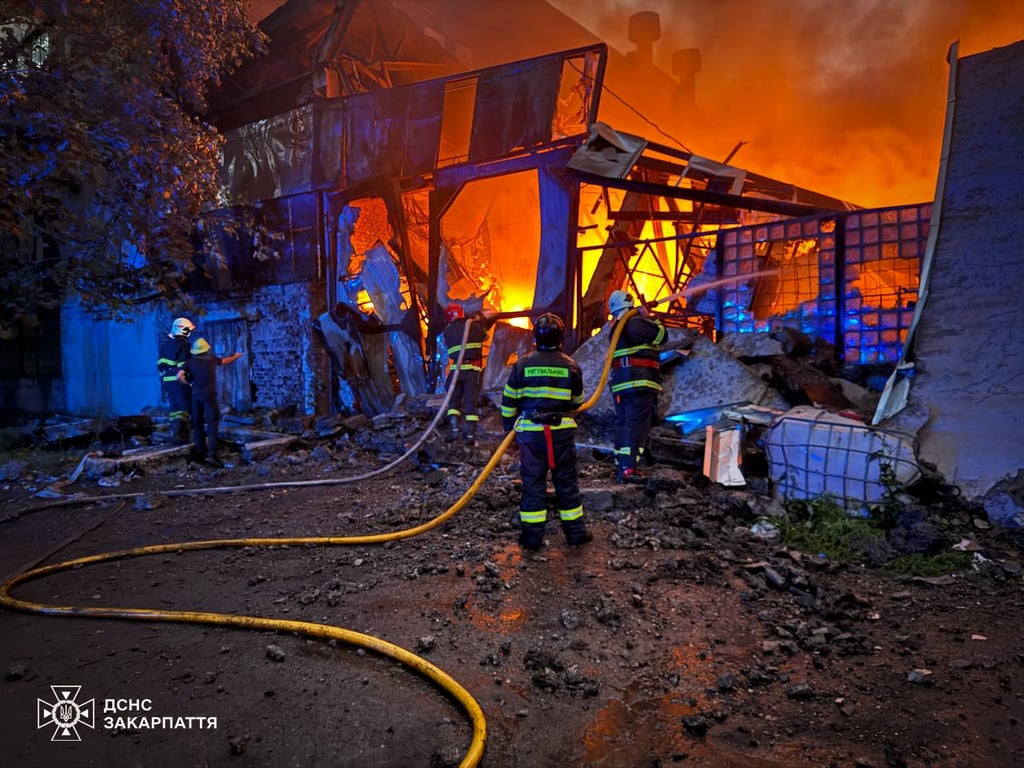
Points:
[(675, 638)]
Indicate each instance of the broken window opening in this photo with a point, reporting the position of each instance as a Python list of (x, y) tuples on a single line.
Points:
[(882, 260), (491, 245), (793, 282), (575, 95), (457, 121)]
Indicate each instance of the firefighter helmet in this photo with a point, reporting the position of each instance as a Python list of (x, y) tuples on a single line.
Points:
[(548, 332), (182, 326), (454, 312), (619, 302), (200, 345)]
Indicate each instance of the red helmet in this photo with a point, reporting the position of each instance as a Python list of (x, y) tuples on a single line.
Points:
[(454, 312)]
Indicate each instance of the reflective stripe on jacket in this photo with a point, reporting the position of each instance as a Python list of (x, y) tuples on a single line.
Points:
[(452, 335), (634, 361), (542, 386), (174, 351)]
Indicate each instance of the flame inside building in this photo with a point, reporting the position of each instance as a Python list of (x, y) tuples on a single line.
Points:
[(387, 157), (394, 180)]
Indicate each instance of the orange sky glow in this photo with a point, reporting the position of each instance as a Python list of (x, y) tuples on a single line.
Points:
[(846, 97)]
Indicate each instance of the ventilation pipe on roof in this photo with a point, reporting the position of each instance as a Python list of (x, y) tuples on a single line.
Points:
[(685, 66), (644, 31)]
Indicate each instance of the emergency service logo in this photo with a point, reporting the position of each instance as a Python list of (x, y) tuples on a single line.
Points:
[(66, 713)]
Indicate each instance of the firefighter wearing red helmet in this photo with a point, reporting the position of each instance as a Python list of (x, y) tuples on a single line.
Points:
[(635, 383), (542, 390), (464, 405)]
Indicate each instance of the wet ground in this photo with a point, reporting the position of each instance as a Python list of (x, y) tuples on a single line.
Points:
[(674, 638)]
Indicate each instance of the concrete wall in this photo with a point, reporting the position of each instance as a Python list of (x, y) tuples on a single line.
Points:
[(970, 342), (109, 366)]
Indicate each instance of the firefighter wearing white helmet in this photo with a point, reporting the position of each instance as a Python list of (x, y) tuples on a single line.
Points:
[(635, 383), (174, 351)]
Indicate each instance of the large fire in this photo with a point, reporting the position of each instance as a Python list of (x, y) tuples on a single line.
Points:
[(846, 97)]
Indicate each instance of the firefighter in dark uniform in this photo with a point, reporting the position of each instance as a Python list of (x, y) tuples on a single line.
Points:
[(465, 400), (541, 389), (174, 351), (635, 384), (201, 370)]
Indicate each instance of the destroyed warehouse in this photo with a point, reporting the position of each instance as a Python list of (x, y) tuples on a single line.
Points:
[(388, 158)]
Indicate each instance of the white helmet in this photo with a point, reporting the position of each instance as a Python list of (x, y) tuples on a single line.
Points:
[(619, 302), (182, 326)]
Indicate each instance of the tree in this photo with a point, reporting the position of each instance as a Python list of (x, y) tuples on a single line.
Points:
[(106, 162)]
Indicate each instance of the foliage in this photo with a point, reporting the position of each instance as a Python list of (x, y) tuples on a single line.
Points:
[(821, 525), (892, 497), (105, 159), (930, 565)]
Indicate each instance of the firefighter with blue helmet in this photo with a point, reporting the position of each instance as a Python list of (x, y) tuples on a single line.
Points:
[(543, 389), (635, 383), (174, 351)]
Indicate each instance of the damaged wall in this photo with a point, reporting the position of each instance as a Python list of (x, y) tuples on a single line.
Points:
[(850, 279), (969, 346)]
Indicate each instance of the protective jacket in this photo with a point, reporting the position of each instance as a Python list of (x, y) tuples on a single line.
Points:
[(635, 385), (201, 370), (542, 386), (465, 399), (635, 363), (474, 357), (174, 351)]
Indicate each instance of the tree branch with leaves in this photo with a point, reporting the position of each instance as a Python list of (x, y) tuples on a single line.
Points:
[(106, 161)]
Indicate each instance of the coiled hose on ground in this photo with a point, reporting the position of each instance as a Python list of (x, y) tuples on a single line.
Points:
[(308, 629)]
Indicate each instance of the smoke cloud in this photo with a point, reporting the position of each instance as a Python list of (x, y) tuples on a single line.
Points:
[(846, 97)]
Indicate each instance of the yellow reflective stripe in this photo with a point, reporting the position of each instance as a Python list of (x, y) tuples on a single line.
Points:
[(465, 367), (513, 393), (525, 425), (555, 393), (178, 415), (578, 400), (509, 411), (662, 333), (453, 412), (568, 515), (636, 384), (456, 348), (539, 516), (170, 378), (624, 451), (472, 417), (633, 350), (165, 361)]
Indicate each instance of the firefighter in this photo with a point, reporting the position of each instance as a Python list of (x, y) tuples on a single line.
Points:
[(174, 351), (464, 404), (201, 370), (635, 384), (543, 389)]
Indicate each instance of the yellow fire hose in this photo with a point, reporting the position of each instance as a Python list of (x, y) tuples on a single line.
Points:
[(308, 629)]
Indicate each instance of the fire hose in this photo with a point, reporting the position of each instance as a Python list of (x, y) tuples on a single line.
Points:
[(304, 628)]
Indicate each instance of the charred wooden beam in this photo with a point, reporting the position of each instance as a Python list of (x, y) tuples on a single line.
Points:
[(711, 217), (717, 198)]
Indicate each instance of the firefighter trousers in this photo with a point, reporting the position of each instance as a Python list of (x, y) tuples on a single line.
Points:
[(635, 415), (541, 452)]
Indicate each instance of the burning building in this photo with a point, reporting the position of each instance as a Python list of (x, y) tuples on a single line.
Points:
[(386, 158)]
